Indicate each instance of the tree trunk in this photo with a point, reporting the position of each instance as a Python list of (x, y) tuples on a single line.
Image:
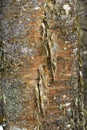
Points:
[(40, 61)]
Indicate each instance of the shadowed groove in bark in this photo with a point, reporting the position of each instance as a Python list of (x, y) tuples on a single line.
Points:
[(47, 41), (82, 67)]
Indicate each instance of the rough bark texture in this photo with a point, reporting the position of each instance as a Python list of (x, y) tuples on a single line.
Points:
[(39, 57), (82, 94)]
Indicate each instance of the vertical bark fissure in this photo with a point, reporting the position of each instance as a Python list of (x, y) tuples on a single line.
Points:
[(47, 41), (41, 95)]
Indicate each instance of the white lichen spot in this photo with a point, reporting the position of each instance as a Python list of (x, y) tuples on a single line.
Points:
[(80, 72), (65, 48), (44, 97), (18, 0), (28, 19), (24, 128), (54, 98), (64, 96), (55, 47), (16, 128), (84, 52), (36, 8), (49, 84), (20, 22), (4, 98), (23, 9), (26, 5), (66, 42), (24, 50), (69, 110), (76, 101), (67, 104), (1, 128), (68, 125), (67, 8), (60, 1), (45, 5), (64, 105), (75, 50)]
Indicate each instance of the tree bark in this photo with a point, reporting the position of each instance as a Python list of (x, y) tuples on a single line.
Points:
[(40, 65)]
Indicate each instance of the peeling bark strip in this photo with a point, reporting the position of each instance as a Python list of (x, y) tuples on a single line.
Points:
[(49, 44), (41, 92), (59, 39)]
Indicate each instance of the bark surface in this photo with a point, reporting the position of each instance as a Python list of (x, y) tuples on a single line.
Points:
[(40, 66)]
